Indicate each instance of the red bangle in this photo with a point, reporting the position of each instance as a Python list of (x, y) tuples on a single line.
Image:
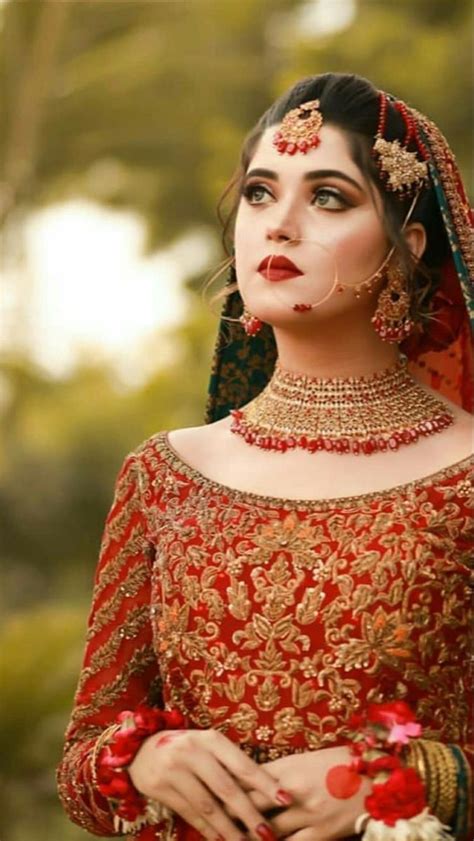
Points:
[(131, 809)]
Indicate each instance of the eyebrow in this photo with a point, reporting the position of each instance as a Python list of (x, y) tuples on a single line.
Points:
[(312, 175)]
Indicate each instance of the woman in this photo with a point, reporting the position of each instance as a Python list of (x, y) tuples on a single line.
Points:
[(305, 553)]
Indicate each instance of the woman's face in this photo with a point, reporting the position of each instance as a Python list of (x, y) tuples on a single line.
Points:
[(317, 211)]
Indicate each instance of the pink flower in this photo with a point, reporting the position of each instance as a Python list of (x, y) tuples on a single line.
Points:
[(400, 734)]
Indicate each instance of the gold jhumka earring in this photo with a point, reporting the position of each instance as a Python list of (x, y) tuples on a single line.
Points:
[(392, 319)]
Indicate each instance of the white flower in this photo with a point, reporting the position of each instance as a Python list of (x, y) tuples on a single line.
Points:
[(423, 827)]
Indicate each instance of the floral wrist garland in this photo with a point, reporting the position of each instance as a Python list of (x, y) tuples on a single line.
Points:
[(131, 808), (396, 808)]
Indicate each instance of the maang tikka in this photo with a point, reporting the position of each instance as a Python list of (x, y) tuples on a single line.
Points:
[(299, 129)]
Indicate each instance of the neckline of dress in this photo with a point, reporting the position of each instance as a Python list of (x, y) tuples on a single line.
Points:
[(176, 460)]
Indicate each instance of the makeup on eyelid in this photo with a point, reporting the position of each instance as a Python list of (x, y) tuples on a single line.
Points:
[(317, 212)]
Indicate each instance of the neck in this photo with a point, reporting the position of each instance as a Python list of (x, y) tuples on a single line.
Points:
[(331, 351)]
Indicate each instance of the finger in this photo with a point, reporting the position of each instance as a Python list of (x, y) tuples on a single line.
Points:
[(228, 790), (290, 821), (307, 834), (202, 804), (262, 802), (178, 804), (246, 771)]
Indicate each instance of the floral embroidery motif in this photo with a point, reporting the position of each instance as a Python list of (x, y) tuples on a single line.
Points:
[(271, 620), (282, 619)]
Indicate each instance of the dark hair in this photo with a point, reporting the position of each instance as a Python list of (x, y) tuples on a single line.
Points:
[(351, 103)]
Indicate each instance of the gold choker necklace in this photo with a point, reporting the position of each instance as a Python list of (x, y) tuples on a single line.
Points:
[(354, 415)]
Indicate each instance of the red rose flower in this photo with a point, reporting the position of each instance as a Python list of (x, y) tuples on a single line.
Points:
[(402, 796), (148, 719), (394, 712), (116, 787), (131, 808), (382, 763), (114, 782), (174, 720)]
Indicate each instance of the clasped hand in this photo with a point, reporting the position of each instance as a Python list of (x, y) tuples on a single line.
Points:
[(211, 783), (314, 815), (203, 777)]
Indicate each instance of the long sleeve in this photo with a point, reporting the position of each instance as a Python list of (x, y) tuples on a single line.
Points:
[(119, 668)]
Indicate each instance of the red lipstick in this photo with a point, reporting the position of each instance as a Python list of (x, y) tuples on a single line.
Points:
[(276, 267)]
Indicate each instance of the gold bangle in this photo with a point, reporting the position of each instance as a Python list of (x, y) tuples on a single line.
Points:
[(441, 771), (448, 783), (414, 759), (432, 783)]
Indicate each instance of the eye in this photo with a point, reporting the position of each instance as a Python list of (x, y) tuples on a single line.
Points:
[(329, 199), (255, 193)]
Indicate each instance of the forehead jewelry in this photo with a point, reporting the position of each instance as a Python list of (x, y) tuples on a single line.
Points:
[(401, 170), (299, 130)]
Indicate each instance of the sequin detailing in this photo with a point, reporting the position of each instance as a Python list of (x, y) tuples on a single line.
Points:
[(273, 620)]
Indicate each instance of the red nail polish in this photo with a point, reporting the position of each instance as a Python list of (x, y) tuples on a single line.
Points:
[(265, 833), (283, 797)]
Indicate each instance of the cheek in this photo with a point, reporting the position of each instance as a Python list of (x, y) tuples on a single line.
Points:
[(244, 227), (246, 236), (361, 242)]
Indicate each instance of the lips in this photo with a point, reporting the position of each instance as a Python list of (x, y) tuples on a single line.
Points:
[(276, 267)]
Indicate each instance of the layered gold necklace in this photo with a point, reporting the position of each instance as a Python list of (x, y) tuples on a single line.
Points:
[(345, 415)]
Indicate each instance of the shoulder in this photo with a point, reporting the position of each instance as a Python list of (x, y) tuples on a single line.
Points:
[(192, 440), (190, 444), (458, 438)]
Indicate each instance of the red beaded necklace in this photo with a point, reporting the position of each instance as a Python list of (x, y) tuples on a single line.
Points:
[(355, 415)]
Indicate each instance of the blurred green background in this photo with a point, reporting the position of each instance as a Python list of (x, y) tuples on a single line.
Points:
[(140, 106)]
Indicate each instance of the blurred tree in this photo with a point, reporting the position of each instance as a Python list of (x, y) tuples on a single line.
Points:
[(410, 48), (63, 445), (145, 104), (39, 658), (136, 108)]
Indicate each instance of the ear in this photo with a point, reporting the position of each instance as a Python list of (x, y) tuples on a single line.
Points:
[(415, 237)]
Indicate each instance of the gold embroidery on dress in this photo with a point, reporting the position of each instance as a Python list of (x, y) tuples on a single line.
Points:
[(106, 695), (105, 655), (133, 546), (136, 577), (284, 614)]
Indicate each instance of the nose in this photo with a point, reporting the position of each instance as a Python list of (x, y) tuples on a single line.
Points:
[(284, 229), (280, 234)]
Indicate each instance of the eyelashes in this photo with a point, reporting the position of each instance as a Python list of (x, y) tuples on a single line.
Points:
[(327, 198), (250, 190), (330, 194)]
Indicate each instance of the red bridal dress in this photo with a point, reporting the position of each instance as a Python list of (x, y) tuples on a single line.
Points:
[(271, 620)]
